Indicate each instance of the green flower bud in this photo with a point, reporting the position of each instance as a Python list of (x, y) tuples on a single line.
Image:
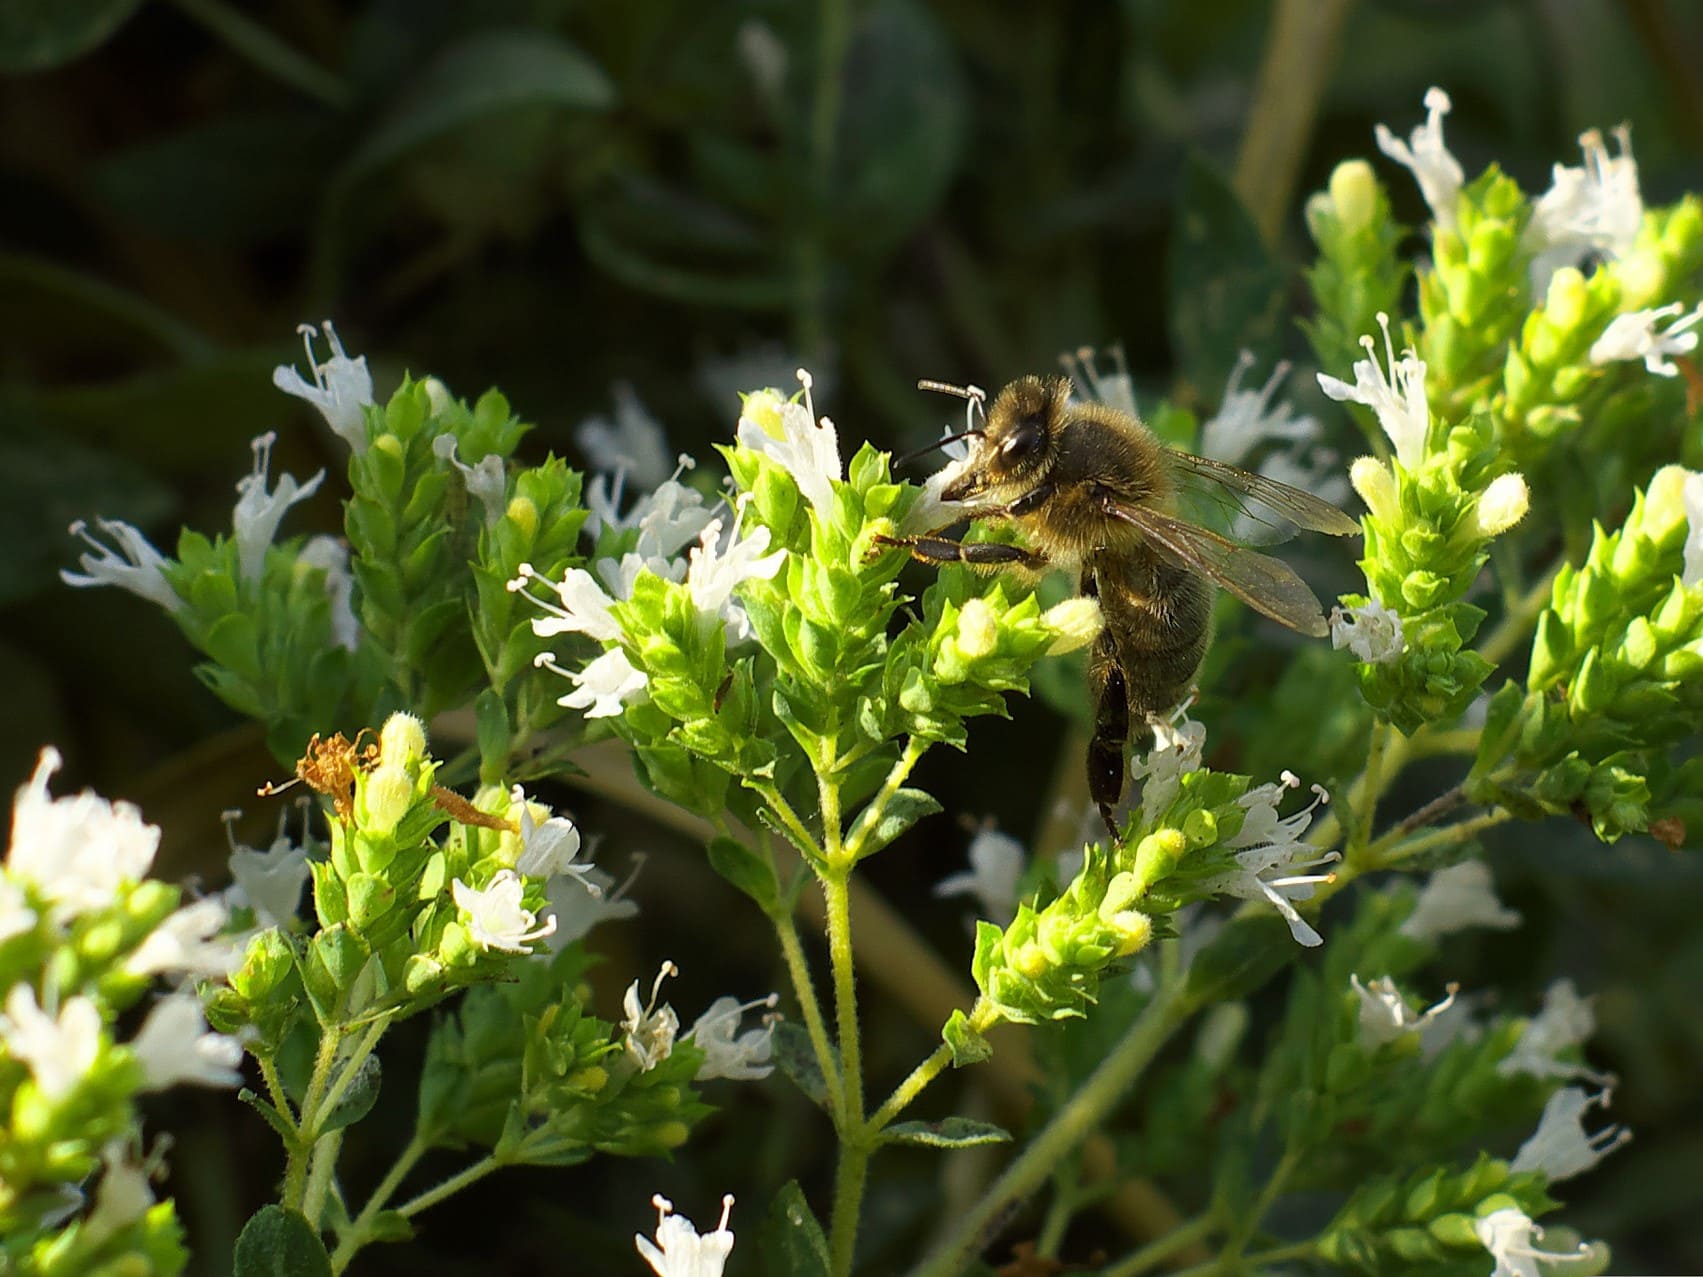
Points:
[(1157, 854), (1564, 304), (763, 407), (1377, 488), (588, 1081), (523, 513), (1353, 195)]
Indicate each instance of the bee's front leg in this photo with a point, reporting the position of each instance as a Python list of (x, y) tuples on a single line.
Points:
[(977, 554)]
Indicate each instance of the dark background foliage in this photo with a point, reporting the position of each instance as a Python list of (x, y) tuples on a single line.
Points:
[(555, 196)]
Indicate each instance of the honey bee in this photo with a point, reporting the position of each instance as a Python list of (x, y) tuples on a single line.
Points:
[(1096, 493)]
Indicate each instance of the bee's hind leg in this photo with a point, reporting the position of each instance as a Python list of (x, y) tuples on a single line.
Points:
[(1106, 768), (976, 554)]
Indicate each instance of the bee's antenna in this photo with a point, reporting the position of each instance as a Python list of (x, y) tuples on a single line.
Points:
[(975, 405), (938, 444)]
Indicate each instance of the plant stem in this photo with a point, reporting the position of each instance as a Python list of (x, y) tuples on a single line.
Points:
[(1066, 1197), (1377, 857), (871, 815), (1277, 1254), (1371, 788), (1161, 1249), (321, 1171), (804, 989), (791, 825), (296, 1164), (910, 1088), (454, 1184), (352, 1066), (275, 1089), (355, 1236), (267, 51), (854, 1153), (1244, 1230), (1105, 1087)]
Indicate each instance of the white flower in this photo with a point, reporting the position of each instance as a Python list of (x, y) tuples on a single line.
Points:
[(744, 1058), (1438, 172), (678, 1250), (486, 480), (173, 1046), (1262, 826), (1372, 633), (60, 1050), (1507, 1234), (548, 846), (1565, 1022), (1115, 389), (494, 917), (135, 566), (269, 882), (633, 447), (1561, 1147), (78, 852), (1176, 750), (1456, 898), (189, 942), (1252, 880), (1634, 336), (580, 903), (583, 607), (1691, 576), (996, 863), (649, 1029), (1385, 1015), (669, 519), (341, 388), (258, 512), (790, 434), (1397, 398), (603, 687), (16, 916), (716, 570), (1246, 418), (330, 555), (123, 1197), (1596, 208)]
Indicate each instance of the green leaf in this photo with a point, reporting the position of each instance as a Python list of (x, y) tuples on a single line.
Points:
[(279, 1243), (746, 870), (1226, 290), (487, 73), (791, 1240), (358, 1099), (968, 1047), (38, 34), (904, 809), (791, 1049), (950, 1132)]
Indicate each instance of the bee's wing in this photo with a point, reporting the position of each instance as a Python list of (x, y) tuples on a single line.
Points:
[(1267, 585), (1302, 509)]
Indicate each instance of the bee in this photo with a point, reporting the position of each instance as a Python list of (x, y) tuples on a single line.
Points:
[(1095, 493)]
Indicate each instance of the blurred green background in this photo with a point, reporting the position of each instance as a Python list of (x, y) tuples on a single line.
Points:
[(556, 197)]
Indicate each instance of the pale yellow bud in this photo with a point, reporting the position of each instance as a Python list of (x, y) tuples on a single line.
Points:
[(1075, 623), (1354, 194), (1664, 502), (763, 409), (978, 630), (402, 740), (1377, 488), (524, 515), (1564, 305), (1134, 930), (1502, 505), (437, 394), (389, 793), (1031, 961)]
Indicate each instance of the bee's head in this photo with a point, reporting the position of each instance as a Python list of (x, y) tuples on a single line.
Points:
[(1019, 440)]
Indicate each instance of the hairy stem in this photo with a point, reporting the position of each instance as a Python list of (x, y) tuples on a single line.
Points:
[(451, 1186), (804, 989), (355, 1236), (853, 1168), (297, 1162), (1156, 1252)]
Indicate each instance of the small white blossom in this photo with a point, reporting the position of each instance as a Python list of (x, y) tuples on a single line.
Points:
[(1456, 898), (1372, 633), (1565, 1022), (549, 843), (78, 852), (1594, 209), (1561, 1147), (487, 479), (1691, 576), (669, 519), (258, 512), (174, 1045), (60, 1050), (1398, 397), (330, 555), (1262, 826), (806, 448), (495, 918), (1115, 389), (135, 565), (649, 1029), (579, 903), (1253, 880), (188, 943), (678, 1250), (341, 389), (1385, 1015), (16, 916), (716, 570), (603, 687), (1246, 418), (583, 607), (269, 882), (1454, 1023), (741, 1058), (1508, 1235), (1634, 336), (123, 1197), (1438, 172), (1176, 751), (996, 863), (634, 447)]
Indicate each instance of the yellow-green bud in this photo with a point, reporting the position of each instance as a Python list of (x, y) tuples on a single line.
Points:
[(978, 630), (1502, 505), (1157, 855), (437, 394), (390, 445), (1031, 960), (1134, 929), (524, 515), (1377, 488), (402, 740), (1564, 305), (389, 793), (670, 1134), (763, 408), (1353, 194), (1664, 503), (1075, 623), (1643, 277), (589, 1080)]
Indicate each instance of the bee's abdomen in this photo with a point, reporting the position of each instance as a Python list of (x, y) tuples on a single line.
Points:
[(1160, 616)]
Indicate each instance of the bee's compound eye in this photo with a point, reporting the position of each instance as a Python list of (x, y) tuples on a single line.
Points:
[(1023, 442)]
